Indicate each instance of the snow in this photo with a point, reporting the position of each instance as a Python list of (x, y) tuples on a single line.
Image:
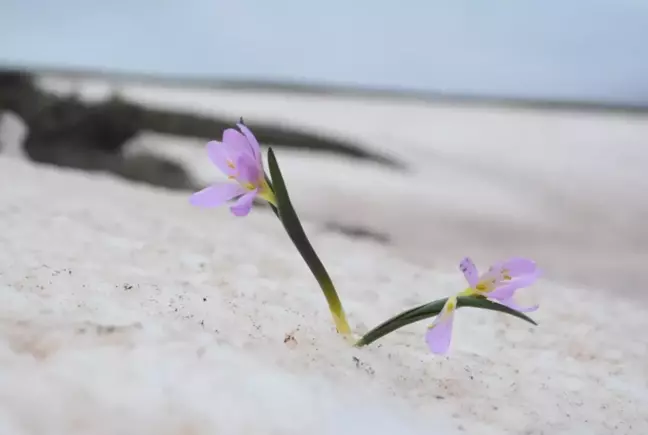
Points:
[(126, 311)]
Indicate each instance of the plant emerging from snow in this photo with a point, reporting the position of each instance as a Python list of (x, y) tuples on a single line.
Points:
[(494, 290), (239, 157), (498, 284)]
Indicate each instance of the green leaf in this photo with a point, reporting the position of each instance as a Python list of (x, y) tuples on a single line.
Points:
[(432, 309), (486, 304), (403, 319), (291, 221), (286, 213)]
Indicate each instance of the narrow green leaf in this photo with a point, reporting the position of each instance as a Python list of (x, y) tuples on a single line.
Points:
[(486, 304), (432, 309), (291, 223), (403, 319)]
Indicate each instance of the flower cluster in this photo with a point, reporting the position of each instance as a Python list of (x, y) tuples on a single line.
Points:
[(239, 158)]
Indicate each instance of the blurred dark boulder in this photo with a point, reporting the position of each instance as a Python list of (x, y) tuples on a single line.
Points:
[(69, 132)]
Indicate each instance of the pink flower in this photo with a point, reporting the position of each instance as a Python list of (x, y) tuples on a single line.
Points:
[(239, 157), (499, 284)]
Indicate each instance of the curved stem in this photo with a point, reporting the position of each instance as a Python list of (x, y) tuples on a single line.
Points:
[(288, 217)]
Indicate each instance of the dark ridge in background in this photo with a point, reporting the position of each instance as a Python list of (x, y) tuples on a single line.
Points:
[(181, 123), (305, 88), (70, 132)]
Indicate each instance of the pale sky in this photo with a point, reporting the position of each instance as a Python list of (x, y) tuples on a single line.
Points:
[(574, 49)]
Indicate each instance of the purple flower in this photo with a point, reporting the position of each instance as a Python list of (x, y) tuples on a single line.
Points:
[(239, 157), (499, 284), (501, 281)]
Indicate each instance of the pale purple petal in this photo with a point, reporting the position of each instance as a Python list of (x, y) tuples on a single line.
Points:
[(248, 170), (506, 289), (519, 266), (439, 333), (216, 195), (254, 143), (470, 271), (495, 268), (510, 302), (223, 156), (503, 292), (526, 280), (244, 204), (237, 141), (493, 273)]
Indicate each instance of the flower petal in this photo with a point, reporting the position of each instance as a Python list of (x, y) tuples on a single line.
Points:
[(243, 206), (506, 289), (510, 302), (216, 195), (223, 156), (503, 292), (237, 141), (439, 333), (470, 271), (254, 143), (519, 266), (248, 170)]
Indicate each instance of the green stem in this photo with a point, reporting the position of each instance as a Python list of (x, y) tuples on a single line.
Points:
[(285, 212)]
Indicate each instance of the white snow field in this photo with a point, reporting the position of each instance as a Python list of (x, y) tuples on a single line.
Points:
[(124, 310)]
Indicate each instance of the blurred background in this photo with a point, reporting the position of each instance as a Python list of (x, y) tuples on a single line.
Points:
[(585, 50), (438, 128)]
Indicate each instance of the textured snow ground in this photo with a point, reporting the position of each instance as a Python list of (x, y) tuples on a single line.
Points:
[(492, 182), (126, 311)]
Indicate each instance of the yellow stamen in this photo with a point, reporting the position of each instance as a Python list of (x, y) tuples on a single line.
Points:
[(231, 164)]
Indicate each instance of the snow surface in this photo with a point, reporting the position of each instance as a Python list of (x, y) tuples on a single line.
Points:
[(123, 310)]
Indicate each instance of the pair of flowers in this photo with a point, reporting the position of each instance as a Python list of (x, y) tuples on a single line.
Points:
[(239, 157)]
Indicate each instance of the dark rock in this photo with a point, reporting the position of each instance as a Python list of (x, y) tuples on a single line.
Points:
[(70, 132)]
